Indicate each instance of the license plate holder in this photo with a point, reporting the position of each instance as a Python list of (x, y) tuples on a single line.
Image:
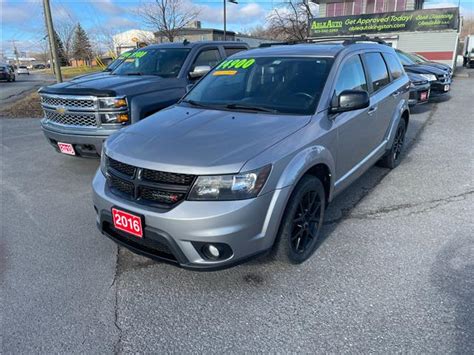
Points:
[(446, 88), (424, 96), (66, 148), (128, 222)]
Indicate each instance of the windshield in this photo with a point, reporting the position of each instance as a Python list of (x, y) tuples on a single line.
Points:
[(280, 85), (153, 61), (405, 59)]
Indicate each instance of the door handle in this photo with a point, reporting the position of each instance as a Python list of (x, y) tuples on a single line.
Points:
[(372, 110)]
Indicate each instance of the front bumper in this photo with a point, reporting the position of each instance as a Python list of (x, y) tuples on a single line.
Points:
[(86, 143), (416, 92), (440, 87), (248, 227)]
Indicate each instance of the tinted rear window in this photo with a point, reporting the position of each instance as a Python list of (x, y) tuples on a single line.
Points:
[(394, 65), (378, 70)]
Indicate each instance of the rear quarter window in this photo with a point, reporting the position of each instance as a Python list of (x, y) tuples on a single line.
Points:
[(377, 70), (394, 65)]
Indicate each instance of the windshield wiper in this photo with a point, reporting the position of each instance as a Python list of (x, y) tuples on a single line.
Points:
[(249, 107), (194, 103), (134, 73)]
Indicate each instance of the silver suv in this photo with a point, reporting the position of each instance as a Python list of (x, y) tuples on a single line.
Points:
[(248, 160)]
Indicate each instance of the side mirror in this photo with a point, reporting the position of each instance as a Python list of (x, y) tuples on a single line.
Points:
[(189, 87), (350, 100), (199, 71)]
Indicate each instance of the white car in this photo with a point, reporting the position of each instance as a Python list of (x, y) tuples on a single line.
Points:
[(22, 69)]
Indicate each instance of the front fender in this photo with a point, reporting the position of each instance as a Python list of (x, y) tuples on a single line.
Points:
[(302, 162), (144, 105)]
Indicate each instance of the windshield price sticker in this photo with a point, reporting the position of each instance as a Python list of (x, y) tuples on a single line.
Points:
[(236, 64), (233, 64)]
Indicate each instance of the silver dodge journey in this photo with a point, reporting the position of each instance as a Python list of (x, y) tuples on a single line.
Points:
[(248, 160)]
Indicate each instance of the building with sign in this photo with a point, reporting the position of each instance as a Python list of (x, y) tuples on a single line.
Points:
[(432, 33), (131, 39)]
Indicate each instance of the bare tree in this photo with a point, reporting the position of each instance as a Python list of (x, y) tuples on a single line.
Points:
[(168, 17), (292, 21), (65, 30)]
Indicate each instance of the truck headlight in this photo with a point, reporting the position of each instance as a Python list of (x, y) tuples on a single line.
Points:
[(429, 77), (112, 102), (230, 187), (116, 117)]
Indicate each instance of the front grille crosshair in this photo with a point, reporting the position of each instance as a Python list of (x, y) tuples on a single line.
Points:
[(71, 119), (121, 185), (67, 102), (167, 178), (123, 168), (150, 187)]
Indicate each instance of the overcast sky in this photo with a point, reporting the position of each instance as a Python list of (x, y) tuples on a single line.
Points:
[(22, 20)]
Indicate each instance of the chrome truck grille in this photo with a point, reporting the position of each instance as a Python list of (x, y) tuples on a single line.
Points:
[(71, 119), (66, 110)]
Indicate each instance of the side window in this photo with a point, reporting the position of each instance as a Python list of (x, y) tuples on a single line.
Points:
[(394, 65), (231, 51), (378, 70), (207, 57), (351, 76)]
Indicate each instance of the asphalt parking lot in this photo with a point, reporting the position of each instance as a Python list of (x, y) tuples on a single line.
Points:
[(395, 272)]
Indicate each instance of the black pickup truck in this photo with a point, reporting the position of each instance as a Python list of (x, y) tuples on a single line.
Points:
[(80, 114)]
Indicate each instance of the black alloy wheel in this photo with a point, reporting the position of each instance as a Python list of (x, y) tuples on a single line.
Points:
[(392, 158), (302, 222)]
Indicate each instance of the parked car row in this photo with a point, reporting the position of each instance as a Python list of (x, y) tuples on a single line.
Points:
[(428, 79), (237, 156), (7, 72)]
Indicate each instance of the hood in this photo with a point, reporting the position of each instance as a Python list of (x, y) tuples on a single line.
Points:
[(199, 141), (112, 85), (424, 69), (441, 66), (91, 75)]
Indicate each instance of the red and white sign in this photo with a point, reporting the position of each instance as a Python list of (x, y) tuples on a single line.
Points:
[(127, 222), (66, 148), (424, 96)]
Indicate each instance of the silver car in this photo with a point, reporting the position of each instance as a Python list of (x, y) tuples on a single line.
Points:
[(247, 162)]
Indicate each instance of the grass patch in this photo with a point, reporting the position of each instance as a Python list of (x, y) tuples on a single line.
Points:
[(71, 72), (28, 106)]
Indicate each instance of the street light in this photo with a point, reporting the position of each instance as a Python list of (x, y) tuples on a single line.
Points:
[(225, 16)]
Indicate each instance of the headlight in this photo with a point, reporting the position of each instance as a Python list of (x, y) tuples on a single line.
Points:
[(118, 117), (429, 77), (103, 162), (112, 102), (411, 84), (230, 187)]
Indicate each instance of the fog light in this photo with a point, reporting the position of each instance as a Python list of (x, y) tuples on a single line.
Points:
[(213, 251)]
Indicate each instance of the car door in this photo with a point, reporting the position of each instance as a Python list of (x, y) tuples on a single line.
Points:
[(382, 102), (353, 127)]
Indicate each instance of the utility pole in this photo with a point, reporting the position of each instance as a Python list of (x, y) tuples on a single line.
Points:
[(225, 16), (52, 41), (15, 51)]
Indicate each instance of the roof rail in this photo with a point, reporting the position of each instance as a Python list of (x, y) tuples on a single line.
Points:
[(346, 40)]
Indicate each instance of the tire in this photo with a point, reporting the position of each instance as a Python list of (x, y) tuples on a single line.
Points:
[(392, 158), (298, 235)]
